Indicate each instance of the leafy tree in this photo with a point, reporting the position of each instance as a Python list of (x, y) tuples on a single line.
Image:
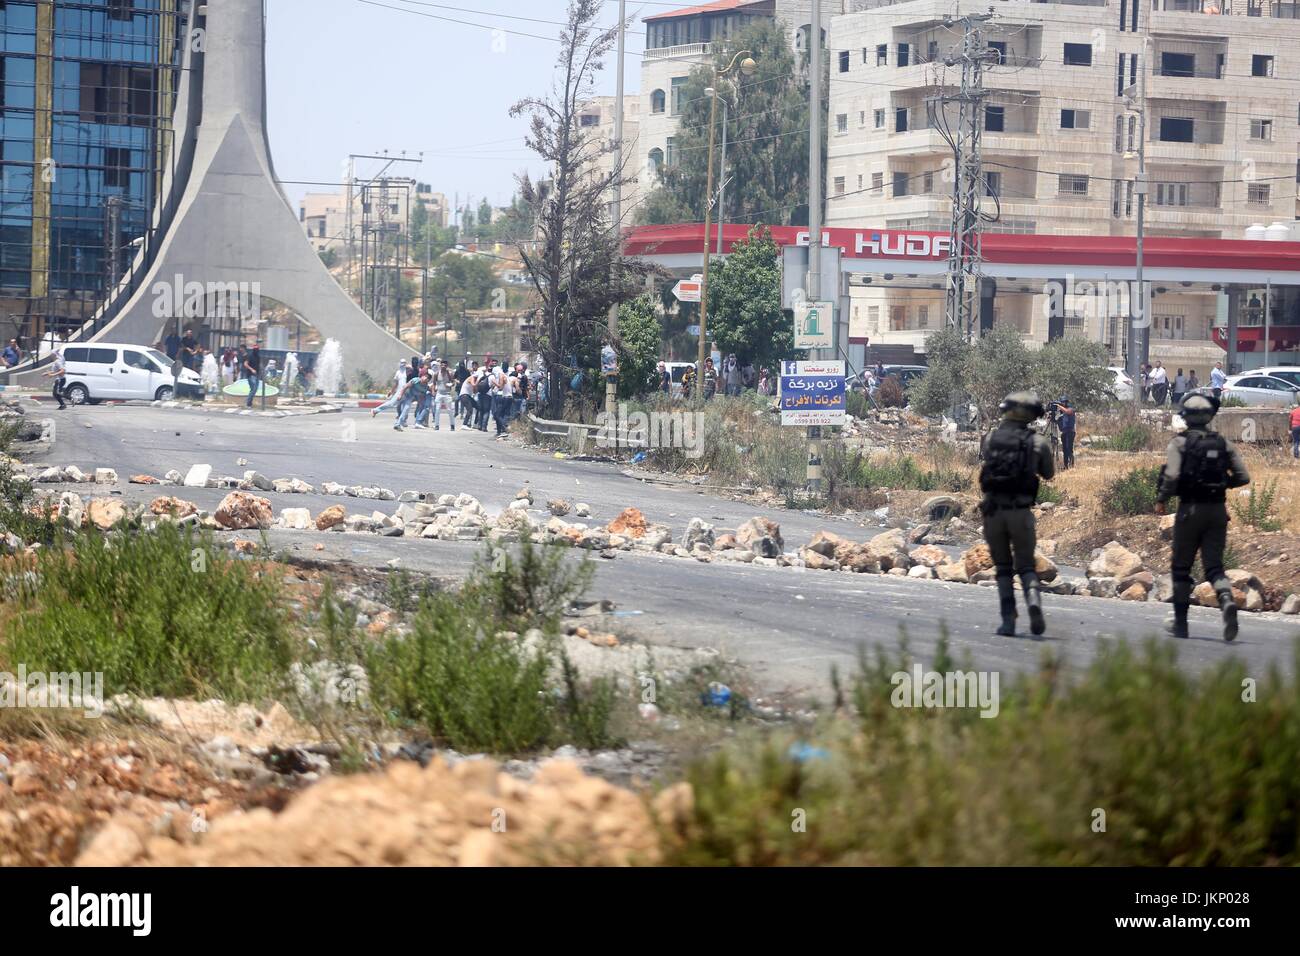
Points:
[(1077, 368), (999, 362), (572, 257), (468, 277), (745, 314), (767, 135), (640, 345)]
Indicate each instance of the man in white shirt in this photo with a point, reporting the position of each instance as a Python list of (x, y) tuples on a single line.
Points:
[(58, 371), (1218, 378), (1158, 379)]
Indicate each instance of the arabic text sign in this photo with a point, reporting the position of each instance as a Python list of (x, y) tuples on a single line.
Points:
[(814, 325), (812, 393)]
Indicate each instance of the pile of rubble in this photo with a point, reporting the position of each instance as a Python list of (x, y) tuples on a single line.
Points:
[(1114, 571)]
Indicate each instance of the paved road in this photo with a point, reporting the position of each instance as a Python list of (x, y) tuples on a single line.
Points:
[(788, 625)]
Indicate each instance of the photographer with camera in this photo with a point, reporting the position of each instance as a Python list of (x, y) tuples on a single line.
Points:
[(1064, 415)]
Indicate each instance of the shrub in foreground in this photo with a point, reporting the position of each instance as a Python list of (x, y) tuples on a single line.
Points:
[(1134, 763)]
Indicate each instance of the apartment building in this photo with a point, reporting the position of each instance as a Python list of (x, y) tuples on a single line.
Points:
[(678, 41), (1060, 145), (597, 119), (325, 217)]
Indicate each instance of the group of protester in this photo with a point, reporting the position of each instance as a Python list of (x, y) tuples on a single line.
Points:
[(472, 392), (1159, 388), (733, 378)]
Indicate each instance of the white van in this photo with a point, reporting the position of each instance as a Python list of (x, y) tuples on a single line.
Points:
[(101, 371)]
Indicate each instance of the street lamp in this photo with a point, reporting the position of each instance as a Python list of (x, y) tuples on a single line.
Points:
[(747, 66)]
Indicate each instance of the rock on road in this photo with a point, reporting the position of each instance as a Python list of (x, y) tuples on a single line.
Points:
[(788, 625)]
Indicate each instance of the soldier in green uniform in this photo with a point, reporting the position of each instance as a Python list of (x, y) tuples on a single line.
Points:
[(1015, 458), (1201, 466)]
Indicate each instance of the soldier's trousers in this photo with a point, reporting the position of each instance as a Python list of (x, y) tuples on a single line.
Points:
[(1199, 526), (1011, 536)]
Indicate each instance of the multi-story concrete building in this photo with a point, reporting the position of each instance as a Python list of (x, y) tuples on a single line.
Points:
[(326, 220), (1060, 145), (597, 119), (680, 40)]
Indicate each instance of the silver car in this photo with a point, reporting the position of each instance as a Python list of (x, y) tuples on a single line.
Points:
[(1263, 390)]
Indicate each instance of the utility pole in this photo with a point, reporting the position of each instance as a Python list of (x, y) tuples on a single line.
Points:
[(814, 282), (966, 252), (722, 175), (1139, 326), (611, 381)]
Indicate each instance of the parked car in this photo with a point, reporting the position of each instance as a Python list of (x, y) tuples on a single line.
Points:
[(1122, 386), (1263, 390), (906, 375), (1287, 373), (124, 372)]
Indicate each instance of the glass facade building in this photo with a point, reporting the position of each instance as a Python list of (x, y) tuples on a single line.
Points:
[(87, 93)]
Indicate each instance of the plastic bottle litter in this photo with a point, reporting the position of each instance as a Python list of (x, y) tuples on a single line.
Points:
[(717, 695)]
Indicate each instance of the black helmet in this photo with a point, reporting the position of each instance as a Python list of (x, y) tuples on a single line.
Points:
[(1198, 409), (1022, 407)]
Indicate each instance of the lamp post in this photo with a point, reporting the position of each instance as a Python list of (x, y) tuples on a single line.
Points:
[(746, 66)]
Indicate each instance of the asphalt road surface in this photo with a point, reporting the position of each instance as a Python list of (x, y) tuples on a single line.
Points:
[(788, 626)]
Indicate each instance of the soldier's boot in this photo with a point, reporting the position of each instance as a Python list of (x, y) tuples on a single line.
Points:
[(1007, 605), (1178, 626), (1034, 602), (1228, 605)]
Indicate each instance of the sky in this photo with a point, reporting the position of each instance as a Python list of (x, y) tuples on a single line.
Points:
[(349, 76)]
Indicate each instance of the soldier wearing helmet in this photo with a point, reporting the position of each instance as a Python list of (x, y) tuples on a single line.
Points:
[(1200, 468), (1015, 458)]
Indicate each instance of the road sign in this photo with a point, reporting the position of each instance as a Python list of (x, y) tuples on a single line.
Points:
[(693, 330), (688, 290), (814, 325), (812, 393)]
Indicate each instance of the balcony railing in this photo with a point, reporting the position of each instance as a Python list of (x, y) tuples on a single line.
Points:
[(677, 52)]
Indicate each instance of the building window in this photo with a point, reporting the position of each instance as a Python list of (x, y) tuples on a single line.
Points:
[(1068, 184), (656, 161), (873, 318), (1177, 64), (900, 119), (1261, 129), (678, 86), (1076, 119), (900, 185), (880, 119), (117, 166), (1261, 65), (1177, 129), (1257, 194), (118, 9), (118, 95), (844, 61), (878, 181), (992, 184), (922, 316), (898, 317), (839, 185), (657, 101), (862, 119), (589, 119), (1000, 47), (1173, 194), (882, 54), (927, 183), (842, 123), (671, 158), (995, 119), (904, 54), (1078, 54)]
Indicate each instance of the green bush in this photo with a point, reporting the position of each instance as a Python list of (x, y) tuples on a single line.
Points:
[(528, 586), (890, 394), (1132, 436), (1048, 493), (163, 613), (1256, 510), (904, 474), (1132, 493), (1185, 772)]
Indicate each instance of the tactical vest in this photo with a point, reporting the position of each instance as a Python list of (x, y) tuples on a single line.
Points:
[(1009, 468), (1206, 462)]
